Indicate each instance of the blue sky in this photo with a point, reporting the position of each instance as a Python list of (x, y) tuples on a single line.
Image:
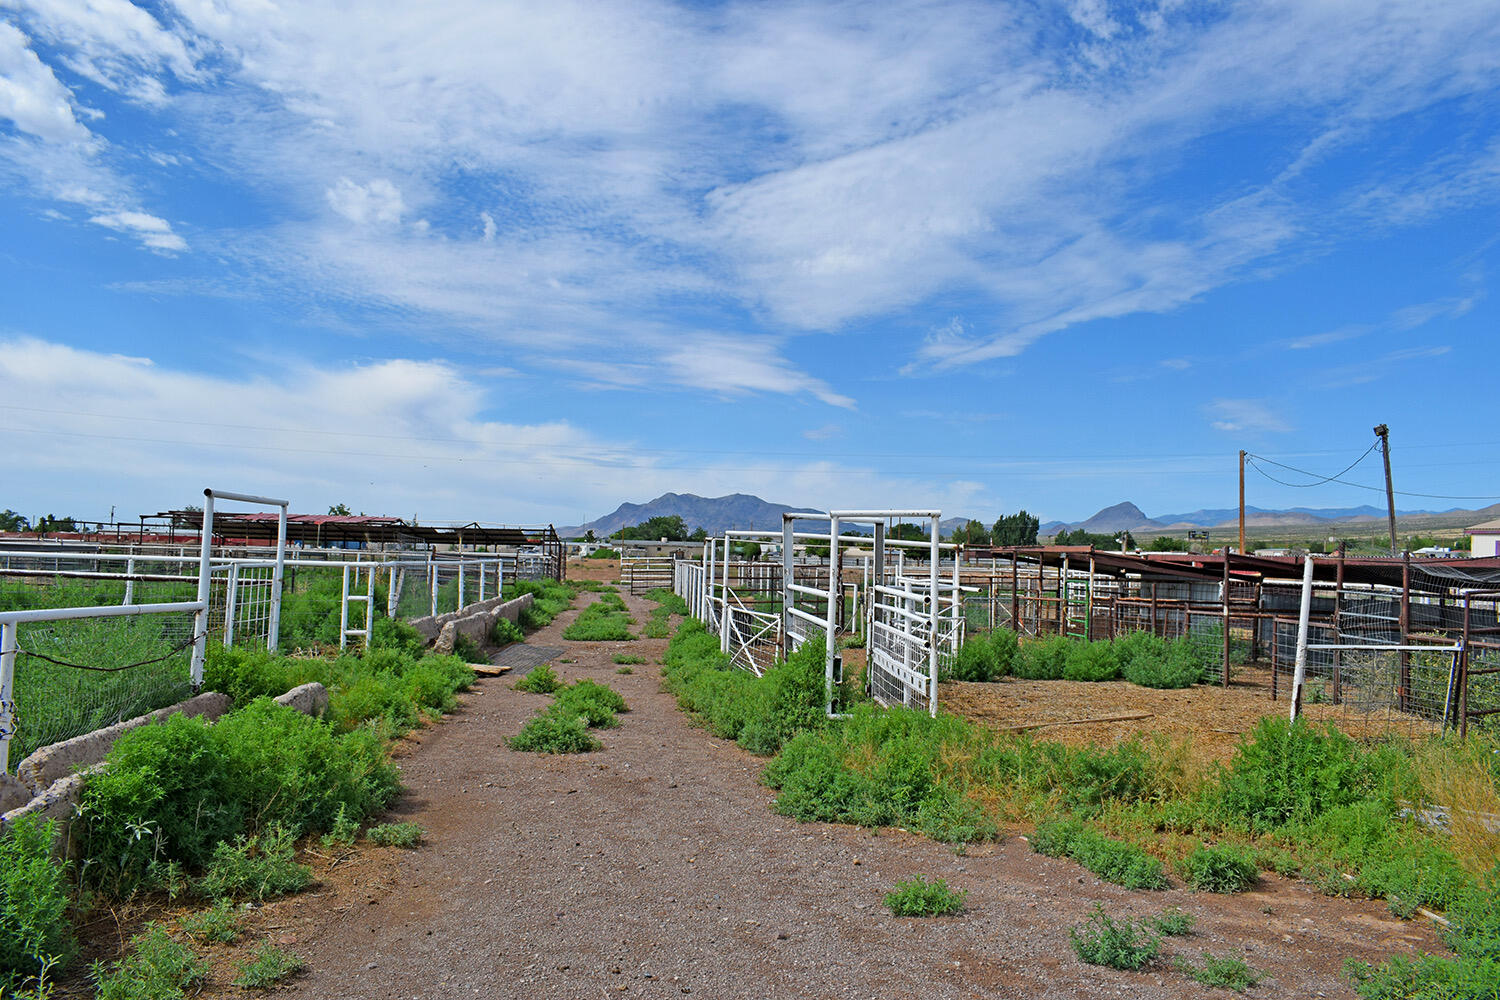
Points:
[(521, 262)]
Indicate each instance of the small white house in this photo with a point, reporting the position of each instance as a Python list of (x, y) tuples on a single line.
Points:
[(1484, 539)]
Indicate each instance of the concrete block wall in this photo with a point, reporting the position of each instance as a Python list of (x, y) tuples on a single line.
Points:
[(48, 784), (476, 620)]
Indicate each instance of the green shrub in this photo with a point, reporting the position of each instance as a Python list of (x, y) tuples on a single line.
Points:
[(157, 968), (391, 633), (1005, 643), (395, 834), (267, 967), (551, 734), (917, 897), (628, 658), (541, 680), (605, 554), (467, 649), (1220, 869), (173, 792), (1091, 661), (1139, 651), (506, 632), (1227, 973), (1112, 860), (1042, 660), (257, 867), (593, 702), (602, 621), (34, 931), (220, 922), (878, 768), (624, 670), (1177, 667), (975, 661), (1286, 772), (1119, 944)]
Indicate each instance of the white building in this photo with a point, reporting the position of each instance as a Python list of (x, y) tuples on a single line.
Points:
[(1484, 539)]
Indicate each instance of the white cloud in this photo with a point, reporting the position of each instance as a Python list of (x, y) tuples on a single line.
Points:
[(377, 202), (153, 232), (31, 96), (1248, 416), (394, 437), (816, 164)]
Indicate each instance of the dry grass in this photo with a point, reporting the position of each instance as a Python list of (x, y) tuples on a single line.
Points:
[(1458, 776)]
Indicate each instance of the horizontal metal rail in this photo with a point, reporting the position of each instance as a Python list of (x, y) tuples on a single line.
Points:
[(97, 611)]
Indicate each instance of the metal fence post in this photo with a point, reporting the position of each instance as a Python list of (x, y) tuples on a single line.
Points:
[(8, 644), (200, 617), (230, 599), (1299, 672), (273, 634)]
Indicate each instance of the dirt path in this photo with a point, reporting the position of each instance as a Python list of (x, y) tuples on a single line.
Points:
[(655, 868)]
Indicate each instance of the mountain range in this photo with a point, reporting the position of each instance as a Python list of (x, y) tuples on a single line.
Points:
[(745, 511)]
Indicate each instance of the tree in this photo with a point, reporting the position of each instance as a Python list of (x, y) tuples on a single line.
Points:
[(972, 533), (671, 527), (905, 531), (1098, 541), (341, 509), (698, 535), (54, 523), (11, 521), (588, 536), (1015, 529), (1161, 543)]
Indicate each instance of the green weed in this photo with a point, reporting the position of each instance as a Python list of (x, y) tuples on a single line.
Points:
[(1091, 661), (1226, 973), (1220, 869), (344, 832), (395, 834), (157, 968), (624, 670), (504, 632), (603, 621), (976, 660), (1119, 944), (34, 931), (1112, 860), (1173, 922), (628, 658), (917, 897), (670, 602), (267, 967), (174, 792), (467, 649), (595, 702), (220, 922), (541, 680), (550, 734), (1042, 660), (257, 867)]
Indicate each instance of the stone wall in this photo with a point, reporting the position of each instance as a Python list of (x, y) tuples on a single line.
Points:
[(474, 621)]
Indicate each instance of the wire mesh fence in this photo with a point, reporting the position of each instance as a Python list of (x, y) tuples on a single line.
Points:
[(72, 677)]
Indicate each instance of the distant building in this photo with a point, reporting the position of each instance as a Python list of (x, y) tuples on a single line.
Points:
[(1484, 539)]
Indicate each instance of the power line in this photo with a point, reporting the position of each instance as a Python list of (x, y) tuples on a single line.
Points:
[(1321, 480)]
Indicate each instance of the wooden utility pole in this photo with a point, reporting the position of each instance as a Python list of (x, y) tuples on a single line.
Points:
[(1383, 432), (1242, 501)]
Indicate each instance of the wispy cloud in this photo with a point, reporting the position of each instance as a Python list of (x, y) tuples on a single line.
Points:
[(1247, 416)]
